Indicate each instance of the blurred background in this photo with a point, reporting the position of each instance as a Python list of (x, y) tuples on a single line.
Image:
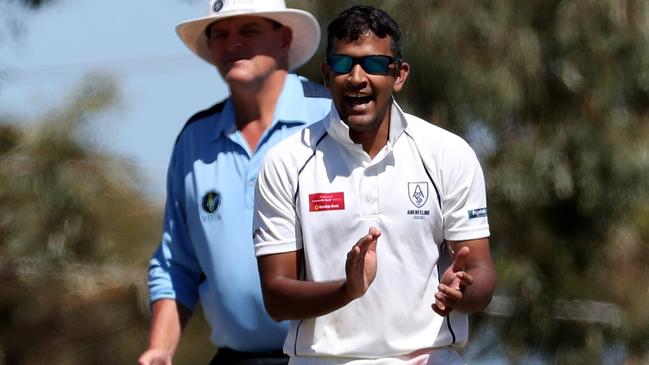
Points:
[(552, 95)]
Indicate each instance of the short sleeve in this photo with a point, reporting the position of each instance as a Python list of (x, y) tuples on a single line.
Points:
[(464, 202), (174, 272), (275, 223)]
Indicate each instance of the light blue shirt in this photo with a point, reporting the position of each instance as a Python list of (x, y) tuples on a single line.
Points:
[(206, 250)]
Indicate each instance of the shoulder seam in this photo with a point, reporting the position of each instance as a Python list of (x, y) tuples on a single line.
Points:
[(313, 90), (214, 109)]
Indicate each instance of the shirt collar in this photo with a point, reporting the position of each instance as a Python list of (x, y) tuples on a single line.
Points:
[(288, 110), (398, 122)]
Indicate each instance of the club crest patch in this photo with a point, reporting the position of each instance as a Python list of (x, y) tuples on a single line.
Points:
[(211, 201), (418, 193)]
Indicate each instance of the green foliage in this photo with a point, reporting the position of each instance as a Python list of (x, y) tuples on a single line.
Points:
[(554, 97), (75, 232)]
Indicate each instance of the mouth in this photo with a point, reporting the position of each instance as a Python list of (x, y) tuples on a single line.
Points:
[(358, 101), (234, 60)]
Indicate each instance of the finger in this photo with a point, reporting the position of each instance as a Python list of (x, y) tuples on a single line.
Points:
[(354, 257), (440, 309), (450, 295), (439, 305), (459, 262), (446, 304), (466, 279), (360, 248), (439, 297), (144, 360), (368, 240), (374, 232)]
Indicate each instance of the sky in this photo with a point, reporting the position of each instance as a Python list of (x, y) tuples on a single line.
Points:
[(162, 83)]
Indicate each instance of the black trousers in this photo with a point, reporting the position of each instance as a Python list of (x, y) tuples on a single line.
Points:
[(226, 356)]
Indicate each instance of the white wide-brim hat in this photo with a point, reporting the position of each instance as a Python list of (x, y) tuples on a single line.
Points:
[(304, 26)]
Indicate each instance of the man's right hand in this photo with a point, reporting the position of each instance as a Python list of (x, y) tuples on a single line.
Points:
[(361, 264), (168, 318), (155, 356)]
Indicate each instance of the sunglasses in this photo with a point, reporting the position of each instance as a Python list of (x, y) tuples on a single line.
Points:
[(375, 64)]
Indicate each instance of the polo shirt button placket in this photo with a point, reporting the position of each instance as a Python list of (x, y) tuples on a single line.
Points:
[(369, 194), (250, 192)]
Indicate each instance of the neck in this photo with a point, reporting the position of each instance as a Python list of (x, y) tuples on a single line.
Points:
[(255, 102), (254, 105), (373, 139)]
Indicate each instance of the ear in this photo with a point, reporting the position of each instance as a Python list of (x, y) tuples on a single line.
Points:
[(400, 76), (326, 72), (286, 37)]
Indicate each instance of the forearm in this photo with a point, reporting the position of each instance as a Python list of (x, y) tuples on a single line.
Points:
[(471, 260), (167, 322), (287, 298), (477, 296)]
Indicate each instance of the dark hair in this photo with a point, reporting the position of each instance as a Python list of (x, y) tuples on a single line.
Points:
[(361, 20)]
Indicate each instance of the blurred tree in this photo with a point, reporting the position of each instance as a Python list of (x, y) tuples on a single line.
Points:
[(554, 97), (73, 225), (76, 233)]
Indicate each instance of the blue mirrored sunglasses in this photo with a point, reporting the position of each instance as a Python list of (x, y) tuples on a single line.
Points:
[(374, 64)]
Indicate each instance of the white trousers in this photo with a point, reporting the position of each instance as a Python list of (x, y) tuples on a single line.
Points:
[(437, 356)]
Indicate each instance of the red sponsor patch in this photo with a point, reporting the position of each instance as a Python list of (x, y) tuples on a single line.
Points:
[(326, 201)]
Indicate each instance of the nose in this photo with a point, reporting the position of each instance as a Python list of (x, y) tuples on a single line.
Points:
[(357, 75), (233, 42)]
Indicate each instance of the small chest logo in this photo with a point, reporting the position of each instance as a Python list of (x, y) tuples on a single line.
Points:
[(319, 202), (478, 213), (418, 193), (218, 5), (211, 202)]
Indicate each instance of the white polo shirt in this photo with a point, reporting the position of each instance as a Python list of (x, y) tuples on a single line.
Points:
[(320, 192)]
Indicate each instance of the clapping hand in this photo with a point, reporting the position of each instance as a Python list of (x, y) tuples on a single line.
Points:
[(360, 267), (453, 284)]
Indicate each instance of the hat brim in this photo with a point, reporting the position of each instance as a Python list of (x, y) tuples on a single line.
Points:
[(304, 26)]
